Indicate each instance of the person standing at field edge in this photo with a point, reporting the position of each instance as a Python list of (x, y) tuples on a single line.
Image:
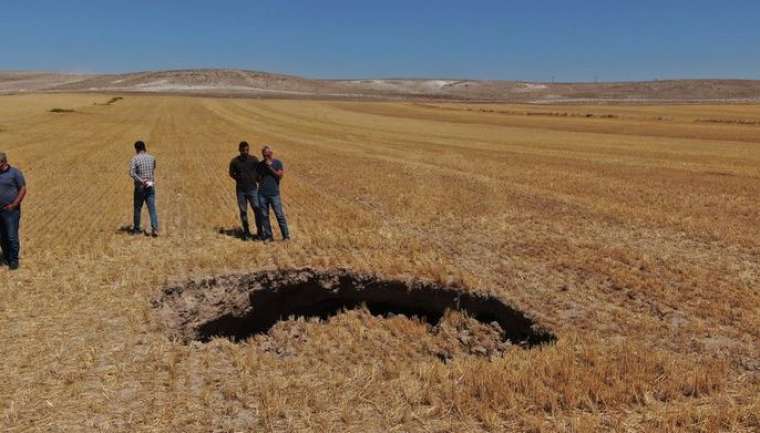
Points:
[(270, 173), (142, 168), (12, 193), (243, 169)]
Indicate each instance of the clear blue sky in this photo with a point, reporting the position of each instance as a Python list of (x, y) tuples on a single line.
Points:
[(525, 40)]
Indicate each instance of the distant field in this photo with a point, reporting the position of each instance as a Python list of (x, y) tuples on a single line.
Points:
[(632, 232)]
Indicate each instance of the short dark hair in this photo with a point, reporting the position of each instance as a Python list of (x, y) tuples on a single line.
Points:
[(139, 146), (242, 145)]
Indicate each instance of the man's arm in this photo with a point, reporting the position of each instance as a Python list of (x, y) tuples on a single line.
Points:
[(278, 171), (233, 170), (19, 198), (133, 171)]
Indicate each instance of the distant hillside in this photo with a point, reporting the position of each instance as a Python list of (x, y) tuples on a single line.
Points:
[(232, 82), (199, 80), (11, 82)]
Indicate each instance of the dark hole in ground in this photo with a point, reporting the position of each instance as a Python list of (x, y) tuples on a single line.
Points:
[(238, 307)]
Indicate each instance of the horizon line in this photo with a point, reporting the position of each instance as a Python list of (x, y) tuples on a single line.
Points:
[(408, 78)]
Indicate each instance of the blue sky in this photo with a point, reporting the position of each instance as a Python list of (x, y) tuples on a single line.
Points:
[(536, 40)]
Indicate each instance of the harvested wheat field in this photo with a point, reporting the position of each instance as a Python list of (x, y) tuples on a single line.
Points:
[(455, 268)]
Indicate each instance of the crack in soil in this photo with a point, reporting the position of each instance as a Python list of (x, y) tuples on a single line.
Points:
[(242, 306)]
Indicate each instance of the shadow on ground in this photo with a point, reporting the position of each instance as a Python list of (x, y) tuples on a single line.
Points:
[(233, 232), (127, 230)]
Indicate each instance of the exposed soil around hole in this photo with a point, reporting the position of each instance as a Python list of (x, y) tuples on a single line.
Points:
[(279, 307)]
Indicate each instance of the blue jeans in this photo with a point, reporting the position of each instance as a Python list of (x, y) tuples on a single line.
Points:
[(244, 198), (148, 196), (9, 239), (265, 201)]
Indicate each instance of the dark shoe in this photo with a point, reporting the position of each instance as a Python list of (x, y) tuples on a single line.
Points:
[(13, 266), (246, 237), (268, 239), (154, 233), (135, 232), (286, 238)]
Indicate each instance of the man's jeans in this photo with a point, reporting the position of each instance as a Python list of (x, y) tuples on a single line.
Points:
[(9, 239), (148, 196), (244, 198), (265, 201)]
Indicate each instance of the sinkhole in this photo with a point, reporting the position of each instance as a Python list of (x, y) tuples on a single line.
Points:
[(242, 306)]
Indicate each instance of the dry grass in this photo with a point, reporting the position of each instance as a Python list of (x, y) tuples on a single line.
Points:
[(634, 237)]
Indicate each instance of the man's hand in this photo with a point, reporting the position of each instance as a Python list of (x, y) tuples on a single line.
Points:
[(268, 162), (17, 201)]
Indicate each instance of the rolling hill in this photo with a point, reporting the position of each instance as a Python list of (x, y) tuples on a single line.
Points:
[(244, 83)]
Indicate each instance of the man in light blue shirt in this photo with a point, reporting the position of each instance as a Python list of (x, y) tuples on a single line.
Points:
[(12, 193), (270, 173)]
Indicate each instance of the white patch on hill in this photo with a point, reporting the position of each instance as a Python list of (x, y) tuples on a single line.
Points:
[(530, 87)]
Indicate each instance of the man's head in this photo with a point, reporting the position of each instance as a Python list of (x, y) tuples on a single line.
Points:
[(244, 148), (266, 152), (139, 146), (3, 161)]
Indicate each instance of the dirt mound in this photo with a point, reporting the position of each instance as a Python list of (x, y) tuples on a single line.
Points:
[(285, 302)]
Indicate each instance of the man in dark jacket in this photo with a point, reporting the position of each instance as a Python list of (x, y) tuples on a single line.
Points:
[(12, 193), (243, 170)]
